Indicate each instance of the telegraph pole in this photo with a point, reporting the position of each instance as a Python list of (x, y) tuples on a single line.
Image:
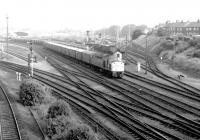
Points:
[(126, 48), (129, 33), (145, 51), (7, 33)]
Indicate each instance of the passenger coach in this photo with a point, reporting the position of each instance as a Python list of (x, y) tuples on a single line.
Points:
[(111, 64)]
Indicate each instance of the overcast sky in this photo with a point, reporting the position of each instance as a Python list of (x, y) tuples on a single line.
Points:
[(94, 14)]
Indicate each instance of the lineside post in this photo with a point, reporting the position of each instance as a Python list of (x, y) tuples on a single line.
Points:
[(31, 59), (146, 56)]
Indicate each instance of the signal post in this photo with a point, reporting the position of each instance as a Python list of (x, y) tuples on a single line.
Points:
[(31, 60)]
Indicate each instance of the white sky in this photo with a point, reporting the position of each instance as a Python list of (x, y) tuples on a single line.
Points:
[(94, 14)]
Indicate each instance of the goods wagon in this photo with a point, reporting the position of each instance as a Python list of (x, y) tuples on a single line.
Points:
[(109, 63)]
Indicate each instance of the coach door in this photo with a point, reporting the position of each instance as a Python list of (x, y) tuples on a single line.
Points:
[(104, 63)]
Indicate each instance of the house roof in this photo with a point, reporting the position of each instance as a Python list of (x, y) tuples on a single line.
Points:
[(183, 24), (194, 24)]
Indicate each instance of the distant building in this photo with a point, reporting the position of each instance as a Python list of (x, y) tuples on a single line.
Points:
[(182, 28)]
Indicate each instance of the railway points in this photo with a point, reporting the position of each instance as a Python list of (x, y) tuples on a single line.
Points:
[(122, 96), (77, 70)]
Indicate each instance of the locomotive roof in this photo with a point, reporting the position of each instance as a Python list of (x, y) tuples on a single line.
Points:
[(80, 50)]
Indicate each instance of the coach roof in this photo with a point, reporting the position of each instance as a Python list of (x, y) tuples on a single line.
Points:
[(79, 49)]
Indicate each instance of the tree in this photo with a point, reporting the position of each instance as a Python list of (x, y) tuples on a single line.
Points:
[(56, 127), (58, 119), (81, 132), (136, 34), (125, 30), (113, 30), (161, 32), (32, 92), (59, 108), (61, 125)]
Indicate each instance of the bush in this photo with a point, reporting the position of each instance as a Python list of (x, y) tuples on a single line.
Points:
[(193, 42), (161, 32), (196, 54), (32, 92), (59, 125), (56, 127), (81, 132), (58, 119), (136, 34), (167, 45), (59, 108)]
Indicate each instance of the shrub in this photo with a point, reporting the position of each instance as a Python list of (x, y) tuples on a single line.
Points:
[(164, 45), (58, 119), (161, 32), (32, 92), (59, 108), (193, 42), (59, 125), (196, 54), (167, 45), (136, 34), (81, 132), (56, 127)]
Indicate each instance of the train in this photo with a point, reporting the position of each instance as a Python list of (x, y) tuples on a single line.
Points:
[(110, 64)]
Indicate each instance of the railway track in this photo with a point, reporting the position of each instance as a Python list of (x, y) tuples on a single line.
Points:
[(131, 128), (128, 74), (157, 128), (8, 122), (112, 108), (153, 69), (75, 101), (188, 88), (140, 133), (162, 122)]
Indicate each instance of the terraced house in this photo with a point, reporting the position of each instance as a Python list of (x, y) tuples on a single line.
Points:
[(185, 28)]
